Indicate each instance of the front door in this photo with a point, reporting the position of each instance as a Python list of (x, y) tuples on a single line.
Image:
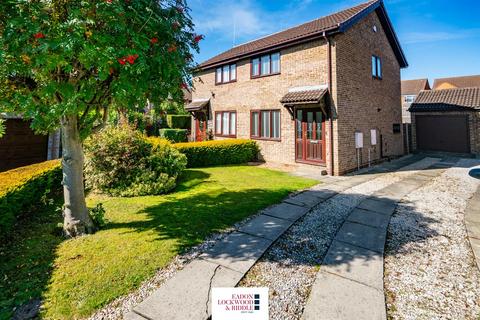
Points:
[(201, 127), (310, 136)]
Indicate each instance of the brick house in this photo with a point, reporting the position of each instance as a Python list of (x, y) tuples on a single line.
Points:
[(456, 82), (410, 91), (308, 93), (447, 120)]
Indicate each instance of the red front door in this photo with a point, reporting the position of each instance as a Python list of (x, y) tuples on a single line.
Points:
[(200, 128), (310, 136)]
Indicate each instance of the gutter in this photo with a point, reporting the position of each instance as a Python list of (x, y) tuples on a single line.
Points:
[(329, 88)]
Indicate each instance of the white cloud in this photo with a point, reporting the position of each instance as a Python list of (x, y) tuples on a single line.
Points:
[(435, 36)]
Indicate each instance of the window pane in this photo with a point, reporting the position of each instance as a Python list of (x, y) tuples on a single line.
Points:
[(233, 72), (379, 67), (299, 123), (225, 123), (276, 63), (265, 65), (265, 124), (255, 124), (226, 73), (233, 123), (256, 67), (218, 123), (219, 75), (374, 66), (310, 125), (276, 124), (318, 125)]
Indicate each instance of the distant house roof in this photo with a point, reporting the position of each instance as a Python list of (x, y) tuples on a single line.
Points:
[(457, 82), (459, 99), (335, 23), (413, 87)]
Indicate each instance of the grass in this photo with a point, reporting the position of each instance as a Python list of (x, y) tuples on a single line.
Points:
[(76, 277)]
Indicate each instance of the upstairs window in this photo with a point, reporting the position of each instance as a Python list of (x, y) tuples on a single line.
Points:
[(376, 67), (226, 74), (265, 124), (226, 124), (265, 65)]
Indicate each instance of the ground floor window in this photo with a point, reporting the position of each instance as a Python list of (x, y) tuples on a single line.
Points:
[(265, 124), (226, 123)]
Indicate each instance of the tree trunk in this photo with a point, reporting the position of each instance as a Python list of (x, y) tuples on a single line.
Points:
[(76, 219)]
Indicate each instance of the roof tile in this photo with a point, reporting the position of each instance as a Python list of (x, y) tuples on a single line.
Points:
[(447, 100)]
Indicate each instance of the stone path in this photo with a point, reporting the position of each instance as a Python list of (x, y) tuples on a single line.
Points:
[(349, 284), (226, 263), (472, 222)]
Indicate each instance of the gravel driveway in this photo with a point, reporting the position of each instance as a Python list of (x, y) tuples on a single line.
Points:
[(430, 272)]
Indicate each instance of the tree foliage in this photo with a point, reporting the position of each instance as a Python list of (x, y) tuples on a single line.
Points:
[(87, 58)]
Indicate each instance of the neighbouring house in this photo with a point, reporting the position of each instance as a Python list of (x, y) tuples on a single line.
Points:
[(21, 146), (447, 120), (410, 90), (325, 93), (457, 82)]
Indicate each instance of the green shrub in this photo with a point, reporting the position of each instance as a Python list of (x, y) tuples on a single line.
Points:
[(27, 188), (179, 121), (174, 135), (123, 162), (97, 214), (218, 152)]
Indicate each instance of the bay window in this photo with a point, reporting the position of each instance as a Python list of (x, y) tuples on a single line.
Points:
[(265, 124), (226, 123)]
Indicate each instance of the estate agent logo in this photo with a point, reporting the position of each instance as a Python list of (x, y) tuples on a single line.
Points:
[(240, 304)]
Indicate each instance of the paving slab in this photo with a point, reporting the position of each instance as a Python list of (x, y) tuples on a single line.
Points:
[(266, 226), (307, 199), (380, 205), (133, 316), (333, 297), (369, 218), (335, 188), (362, 236), (354, 263), (286, 211), (430, 172), (191, 286), (396, 191), (237, 251)]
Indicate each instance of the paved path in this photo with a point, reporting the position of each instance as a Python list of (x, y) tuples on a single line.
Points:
[(228, 261), (349, 284)]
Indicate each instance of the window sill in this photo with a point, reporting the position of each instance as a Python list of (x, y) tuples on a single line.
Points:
[(266, 139), (225, 136), (376, 78), (265, 75), (220, 83)]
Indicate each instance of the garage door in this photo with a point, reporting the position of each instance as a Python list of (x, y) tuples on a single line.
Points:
[(21, 146), (443, 133)]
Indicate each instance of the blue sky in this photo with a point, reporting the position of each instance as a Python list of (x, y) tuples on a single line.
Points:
[(441, 38)]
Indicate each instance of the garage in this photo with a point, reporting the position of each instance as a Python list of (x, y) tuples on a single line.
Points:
[(448, 133), (20, 146), (447, 120)]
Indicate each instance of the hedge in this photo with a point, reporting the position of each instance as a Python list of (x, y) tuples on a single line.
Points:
[(179, 121), (174, 135), (23, 189), (218, 152)]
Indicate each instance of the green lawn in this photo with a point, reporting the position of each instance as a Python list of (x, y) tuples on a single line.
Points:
[(78, 276)]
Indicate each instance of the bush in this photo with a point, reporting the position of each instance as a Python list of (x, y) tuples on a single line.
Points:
[(123, 162), (174, 135), (179, 121), (218, 152), (26, 188)]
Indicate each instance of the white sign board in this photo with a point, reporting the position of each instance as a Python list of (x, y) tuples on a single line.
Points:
[(239, 303), (358, 140), (373, 137)]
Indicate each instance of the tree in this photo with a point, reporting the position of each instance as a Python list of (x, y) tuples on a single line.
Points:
[(69, 63), (2, 128)]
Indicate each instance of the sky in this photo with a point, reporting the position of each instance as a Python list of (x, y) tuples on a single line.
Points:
[(440, 38)]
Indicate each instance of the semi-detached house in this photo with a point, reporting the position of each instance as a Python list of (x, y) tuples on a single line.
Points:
[(325, 93)]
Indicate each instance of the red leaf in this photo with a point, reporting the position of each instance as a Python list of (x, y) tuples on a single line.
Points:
[(122, 61), (153, 40), (172, 48), (39, 35), (198, 38)]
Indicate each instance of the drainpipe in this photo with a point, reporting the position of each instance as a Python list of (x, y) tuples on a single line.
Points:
[(329, 86)]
